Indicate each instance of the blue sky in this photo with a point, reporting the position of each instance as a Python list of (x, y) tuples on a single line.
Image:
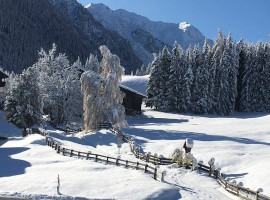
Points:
[(248, 19)]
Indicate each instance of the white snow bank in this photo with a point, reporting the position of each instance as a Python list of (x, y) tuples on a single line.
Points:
[(32, 168)]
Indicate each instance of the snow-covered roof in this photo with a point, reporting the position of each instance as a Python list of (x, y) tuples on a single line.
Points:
[(134, 91)]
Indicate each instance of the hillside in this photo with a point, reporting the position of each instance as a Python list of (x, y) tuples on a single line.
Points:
[(146, 36), (28, 25)]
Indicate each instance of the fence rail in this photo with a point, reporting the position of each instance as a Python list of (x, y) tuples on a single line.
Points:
[(242, 192), (104, 159)]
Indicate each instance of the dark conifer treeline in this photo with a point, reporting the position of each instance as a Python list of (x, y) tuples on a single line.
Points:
[(218, 79), (28, 25)]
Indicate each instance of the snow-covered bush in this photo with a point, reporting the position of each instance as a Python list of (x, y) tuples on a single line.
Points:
[(23, 102)]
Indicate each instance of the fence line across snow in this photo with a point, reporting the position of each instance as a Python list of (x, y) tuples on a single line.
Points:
[(105, 159), (233, 188)]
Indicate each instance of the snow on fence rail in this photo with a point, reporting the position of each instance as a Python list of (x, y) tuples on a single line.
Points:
[(105, 159), (233, 188), (97, 157)]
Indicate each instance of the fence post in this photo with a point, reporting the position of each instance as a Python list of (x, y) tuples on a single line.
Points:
[(210, 170), (126, 163), (145, 168), (107, 160), (147, 157), (155, 174), (96, 158), (116, 161), (63, 151), (137, 166), (71, 152), (79, 154), (87, 157), (162, 176)]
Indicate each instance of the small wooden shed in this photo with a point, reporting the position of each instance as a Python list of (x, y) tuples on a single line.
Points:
[(132, 100), (3, 76)]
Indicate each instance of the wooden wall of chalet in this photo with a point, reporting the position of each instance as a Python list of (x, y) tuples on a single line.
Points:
[(132, 102), (2, 77)]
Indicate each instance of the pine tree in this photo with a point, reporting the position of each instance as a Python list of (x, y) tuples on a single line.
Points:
[(186, 83), (157, 85), (242, 49), (216, 73), (200, 88), (173, 92), (245, 95), (153, 83), (260, 80), (233, 68), (165, 63)]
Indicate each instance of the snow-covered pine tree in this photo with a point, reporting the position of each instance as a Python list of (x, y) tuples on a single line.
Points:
[(233, 67), (216, 73), (186, 83), (23, 103), (59, 86), (165, 64), (248, 61), (159, 76), (242, 48), (260, 80), (174, 90), (201, 81), (153, 83)]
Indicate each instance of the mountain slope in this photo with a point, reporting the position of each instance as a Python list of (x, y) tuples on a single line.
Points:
[(131, 26), (28, 25)]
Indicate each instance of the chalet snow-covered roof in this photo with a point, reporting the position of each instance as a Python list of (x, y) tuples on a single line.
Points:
[(134, 91), (83, 69)]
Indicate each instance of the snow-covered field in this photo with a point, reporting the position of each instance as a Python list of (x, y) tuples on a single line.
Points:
[(240, 144)]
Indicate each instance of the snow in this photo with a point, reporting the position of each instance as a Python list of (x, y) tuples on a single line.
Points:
[(184, 26), (239, 143), (141, 83), (88, 5)]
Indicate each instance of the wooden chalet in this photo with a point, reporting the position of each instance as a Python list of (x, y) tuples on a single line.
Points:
[(3, 76), (132, 100)]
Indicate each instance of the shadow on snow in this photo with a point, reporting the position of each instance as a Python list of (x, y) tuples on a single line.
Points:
[(11, 166), (169, 135)]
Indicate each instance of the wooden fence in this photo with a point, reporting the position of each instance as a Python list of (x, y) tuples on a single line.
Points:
[(239, 191), (242, 192), (104, 159)]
